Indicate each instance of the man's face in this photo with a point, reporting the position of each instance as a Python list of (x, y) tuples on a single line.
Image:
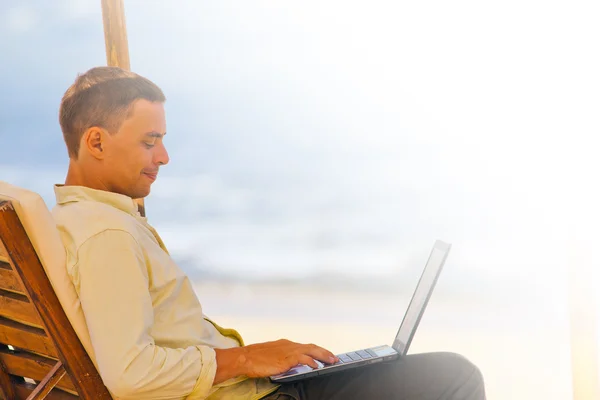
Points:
[(135, 153)]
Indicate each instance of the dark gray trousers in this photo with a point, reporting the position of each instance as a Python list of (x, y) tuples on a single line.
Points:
[(431, 376)]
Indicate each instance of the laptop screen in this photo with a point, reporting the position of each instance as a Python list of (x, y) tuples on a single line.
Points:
[(421, 296)]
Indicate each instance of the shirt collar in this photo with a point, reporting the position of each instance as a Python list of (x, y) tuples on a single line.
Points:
[(68, 194)]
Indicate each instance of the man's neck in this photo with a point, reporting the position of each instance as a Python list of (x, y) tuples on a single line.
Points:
[(76, 177), (72, 178)]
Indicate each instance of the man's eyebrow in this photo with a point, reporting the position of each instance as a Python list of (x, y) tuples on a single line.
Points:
[(155, 134)]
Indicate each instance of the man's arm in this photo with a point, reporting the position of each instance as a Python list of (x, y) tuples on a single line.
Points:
[(266, 359), (113, 287)]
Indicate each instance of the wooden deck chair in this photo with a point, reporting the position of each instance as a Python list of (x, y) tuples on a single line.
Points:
[(41, 355)]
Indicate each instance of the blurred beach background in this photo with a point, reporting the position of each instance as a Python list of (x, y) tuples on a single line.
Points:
[(318, 149)]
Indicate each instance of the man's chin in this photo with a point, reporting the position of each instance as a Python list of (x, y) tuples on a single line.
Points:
[(140, 193)]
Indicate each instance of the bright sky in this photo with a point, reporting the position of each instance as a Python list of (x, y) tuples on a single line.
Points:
[(341, 134)]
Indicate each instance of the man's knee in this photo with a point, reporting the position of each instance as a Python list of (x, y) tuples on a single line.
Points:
[(459, 361), (462, 366)]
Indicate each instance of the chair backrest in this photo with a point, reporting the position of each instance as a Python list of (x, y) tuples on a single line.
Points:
[(41, 356)]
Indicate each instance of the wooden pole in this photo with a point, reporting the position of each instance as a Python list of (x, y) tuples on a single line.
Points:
[(115, 34), (584, 327), (117, 50)]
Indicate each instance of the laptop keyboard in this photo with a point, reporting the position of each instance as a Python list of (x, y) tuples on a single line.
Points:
[(355, 356)]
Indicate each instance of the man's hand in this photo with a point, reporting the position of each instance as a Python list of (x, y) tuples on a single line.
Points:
[(265, 359)]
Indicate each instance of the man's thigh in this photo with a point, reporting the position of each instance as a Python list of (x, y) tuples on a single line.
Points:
[(421, 376)]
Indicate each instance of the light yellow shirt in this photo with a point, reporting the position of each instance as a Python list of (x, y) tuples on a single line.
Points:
[(149, 335)]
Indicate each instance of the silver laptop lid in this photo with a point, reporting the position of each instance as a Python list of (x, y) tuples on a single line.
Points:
[(421, 296)]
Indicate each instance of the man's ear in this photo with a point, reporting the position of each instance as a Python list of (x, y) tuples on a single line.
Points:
[(93, 141)]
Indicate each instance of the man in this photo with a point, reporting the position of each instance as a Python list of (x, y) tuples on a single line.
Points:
[(149, 335)]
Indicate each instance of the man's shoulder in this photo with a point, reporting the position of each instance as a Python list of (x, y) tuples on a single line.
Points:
[(84, 219)]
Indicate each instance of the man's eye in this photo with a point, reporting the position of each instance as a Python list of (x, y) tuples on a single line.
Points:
[(149, 145)]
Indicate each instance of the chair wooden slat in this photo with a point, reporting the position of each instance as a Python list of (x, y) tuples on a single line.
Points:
[(32, 366), (9, 280), (47, 384), (18, 308), (24, 389), (3, 255), (40, 307), (7, 389), (27, 338)]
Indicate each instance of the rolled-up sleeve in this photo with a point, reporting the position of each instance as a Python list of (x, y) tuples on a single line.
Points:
[(112, 280)]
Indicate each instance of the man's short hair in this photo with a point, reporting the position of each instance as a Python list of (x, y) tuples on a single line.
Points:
[(102, 97)]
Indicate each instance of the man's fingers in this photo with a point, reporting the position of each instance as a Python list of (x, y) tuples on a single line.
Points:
[(320, 354), (308, 360)]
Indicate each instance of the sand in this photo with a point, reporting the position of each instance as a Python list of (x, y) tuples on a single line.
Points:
[(523, 353)]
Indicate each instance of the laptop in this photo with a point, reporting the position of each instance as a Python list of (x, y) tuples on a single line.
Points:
[(408, 327)]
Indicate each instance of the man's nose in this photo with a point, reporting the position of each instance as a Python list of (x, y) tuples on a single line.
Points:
[(161, 156)]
